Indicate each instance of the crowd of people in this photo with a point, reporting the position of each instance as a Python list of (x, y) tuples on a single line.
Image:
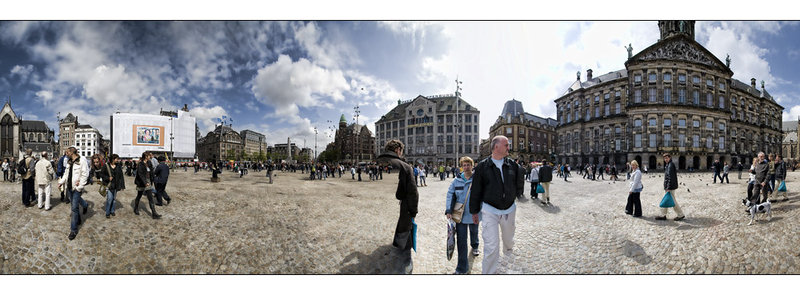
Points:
[(485, 192), (74, 173)]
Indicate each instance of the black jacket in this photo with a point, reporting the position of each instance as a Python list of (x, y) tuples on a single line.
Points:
[(161, 173), (545, 173), (406, 187), (717, 167), (142, 175), (670, 177), (780, 170), (119, 179), (489, 188)]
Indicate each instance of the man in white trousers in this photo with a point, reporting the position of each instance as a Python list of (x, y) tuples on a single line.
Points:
[(496, 184)]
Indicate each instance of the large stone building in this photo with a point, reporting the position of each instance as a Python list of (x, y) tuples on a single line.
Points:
[(427, 126), (17, 135), (674, 96), (530, 137), (253, 143), (790, 146), (88, 140), (66, 132), (353, 142), (281, 150), (221, 144)]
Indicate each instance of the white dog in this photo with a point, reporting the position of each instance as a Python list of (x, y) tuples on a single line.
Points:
[(765, 207)]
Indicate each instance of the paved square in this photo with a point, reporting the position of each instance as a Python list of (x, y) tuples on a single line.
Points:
[(297, 226)]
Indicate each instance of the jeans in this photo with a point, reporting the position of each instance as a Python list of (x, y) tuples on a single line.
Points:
[(77, 201), (716, 175), (111, 195), (771, 182), (533, 188), (422, 180), (461, 244), (724, 177)]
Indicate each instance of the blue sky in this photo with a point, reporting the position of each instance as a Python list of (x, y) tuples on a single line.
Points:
[(284, 78)]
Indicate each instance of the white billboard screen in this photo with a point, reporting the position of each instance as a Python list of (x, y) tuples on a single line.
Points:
[(133, 134)]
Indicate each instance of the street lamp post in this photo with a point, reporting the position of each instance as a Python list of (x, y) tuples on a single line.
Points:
[(457, 120), (315, 144), (355, 139)]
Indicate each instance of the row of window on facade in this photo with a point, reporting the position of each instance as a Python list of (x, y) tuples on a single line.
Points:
[(531, 133), (441, 119), (654, 141), (533, 147), (31, 137), (652, 122), (440, 149), (767, 120), (652, 78), (440, 139), (421, 130)]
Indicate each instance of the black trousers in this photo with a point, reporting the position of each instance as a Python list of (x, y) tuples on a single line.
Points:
[(533, 189), (634, 204), (27, 191), (161, 193), (402, 233)]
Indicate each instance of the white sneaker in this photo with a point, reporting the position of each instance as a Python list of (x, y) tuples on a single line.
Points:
[(475, 252)]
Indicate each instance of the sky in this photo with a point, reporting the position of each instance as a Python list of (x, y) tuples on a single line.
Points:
[(284, 78)]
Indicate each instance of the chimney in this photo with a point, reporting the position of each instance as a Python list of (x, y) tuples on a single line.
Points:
[(589, 75), (753, 82)]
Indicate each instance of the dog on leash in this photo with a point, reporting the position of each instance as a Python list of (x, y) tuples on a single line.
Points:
[(765, 208)]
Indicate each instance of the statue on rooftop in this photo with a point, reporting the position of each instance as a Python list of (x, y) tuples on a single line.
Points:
[(630, 50)]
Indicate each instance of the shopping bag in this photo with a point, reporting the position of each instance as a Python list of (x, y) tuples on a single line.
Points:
[(782, 188), (413, 235), (667, 201), (451, 238), (539, 189)]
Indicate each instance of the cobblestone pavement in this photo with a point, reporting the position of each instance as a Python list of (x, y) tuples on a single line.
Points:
[(297, 226)]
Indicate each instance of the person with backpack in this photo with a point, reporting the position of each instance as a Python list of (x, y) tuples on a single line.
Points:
[(545, 177), (26, 170)]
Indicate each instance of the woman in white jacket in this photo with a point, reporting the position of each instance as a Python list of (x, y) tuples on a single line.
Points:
[(533, 178), (76, 175), (634, 205)]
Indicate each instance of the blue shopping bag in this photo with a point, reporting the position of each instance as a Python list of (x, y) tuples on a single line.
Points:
[(413, 235), (539, 189), (667, 201), (782, 188)]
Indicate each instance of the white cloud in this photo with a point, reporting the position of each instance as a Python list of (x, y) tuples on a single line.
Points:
[(206, 116), (415, 31), (791, 114), (45, 95), (323, 51), (285, 85), (736, 38), (23, 71), (115, 86)]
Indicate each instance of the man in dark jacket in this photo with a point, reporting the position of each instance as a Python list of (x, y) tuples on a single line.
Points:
[(161, 178), (717, 167), (545, 177), (670, 186), (761, 189), (495, 185), (408, 196), (780, 176), (60, 167)]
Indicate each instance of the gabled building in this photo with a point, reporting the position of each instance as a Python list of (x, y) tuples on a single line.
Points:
[(429, 128), (530, 137)]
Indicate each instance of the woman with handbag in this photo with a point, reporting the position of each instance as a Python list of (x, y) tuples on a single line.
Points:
[(458, 210), (112, 177), (144, 184), (634, 205)]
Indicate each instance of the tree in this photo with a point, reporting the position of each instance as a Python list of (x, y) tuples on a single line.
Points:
[(261, 156), (230, 155)]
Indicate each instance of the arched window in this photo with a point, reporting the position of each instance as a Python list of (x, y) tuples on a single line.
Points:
[(6, 136)]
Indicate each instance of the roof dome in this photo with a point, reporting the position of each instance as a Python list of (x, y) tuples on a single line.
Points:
[(342, 119)]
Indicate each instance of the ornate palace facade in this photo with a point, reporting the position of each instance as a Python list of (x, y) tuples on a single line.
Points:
[(674, 96)]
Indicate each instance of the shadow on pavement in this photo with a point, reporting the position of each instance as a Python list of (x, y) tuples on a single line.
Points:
[(636, 252), (552, 209), (384, 260), (688, 223)]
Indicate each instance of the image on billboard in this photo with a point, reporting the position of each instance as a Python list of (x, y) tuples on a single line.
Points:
[(148, 135)]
